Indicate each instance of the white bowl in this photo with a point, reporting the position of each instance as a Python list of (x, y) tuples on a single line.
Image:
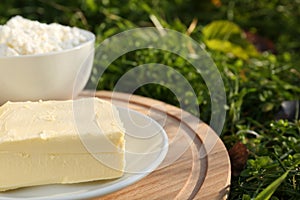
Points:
[(51, 76)]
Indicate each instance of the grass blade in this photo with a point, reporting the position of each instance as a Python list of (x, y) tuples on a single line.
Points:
[(268, 191)]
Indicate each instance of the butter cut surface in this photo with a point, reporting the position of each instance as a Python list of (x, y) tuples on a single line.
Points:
[(60, 142)]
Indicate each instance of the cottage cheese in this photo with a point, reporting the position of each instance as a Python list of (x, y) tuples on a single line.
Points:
[(20, 36)]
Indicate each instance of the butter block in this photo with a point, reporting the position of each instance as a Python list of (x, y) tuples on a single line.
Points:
[(60, 142)]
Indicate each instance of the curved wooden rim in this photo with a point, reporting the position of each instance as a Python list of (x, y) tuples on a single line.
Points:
[(210, 182)]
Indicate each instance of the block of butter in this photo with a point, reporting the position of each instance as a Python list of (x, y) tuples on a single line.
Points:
[(59, 142)]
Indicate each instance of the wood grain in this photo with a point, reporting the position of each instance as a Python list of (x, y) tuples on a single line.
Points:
[(197, 165)]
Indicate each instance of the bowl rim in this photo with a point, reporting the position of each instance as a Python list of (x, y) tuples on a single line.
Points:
[(91, 39)]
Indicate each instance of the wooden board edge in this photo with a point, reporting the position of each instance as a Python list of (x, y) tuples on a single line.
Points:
[(213, 154)]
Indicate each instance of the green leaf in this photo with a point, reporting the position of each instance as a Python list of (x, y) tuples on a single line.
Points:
[(222, 30), (227, 47), (91, 5), (268, 191), (228, 37), (266, 107), (246, 197)]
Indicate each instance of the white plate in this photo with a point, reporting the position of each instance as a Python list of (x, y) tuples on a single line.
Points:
[(146, 148)]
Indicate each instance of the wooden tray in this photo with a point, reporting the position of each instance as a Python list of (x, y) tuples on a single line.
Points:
[(197, 165)]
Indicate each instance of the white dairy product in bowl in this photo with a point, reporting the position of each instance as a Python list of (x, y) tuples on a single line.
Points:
[(43, 61)]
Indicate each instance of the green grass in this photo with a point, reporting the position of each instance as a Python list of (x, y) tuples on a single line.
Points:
[(255, 83)]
